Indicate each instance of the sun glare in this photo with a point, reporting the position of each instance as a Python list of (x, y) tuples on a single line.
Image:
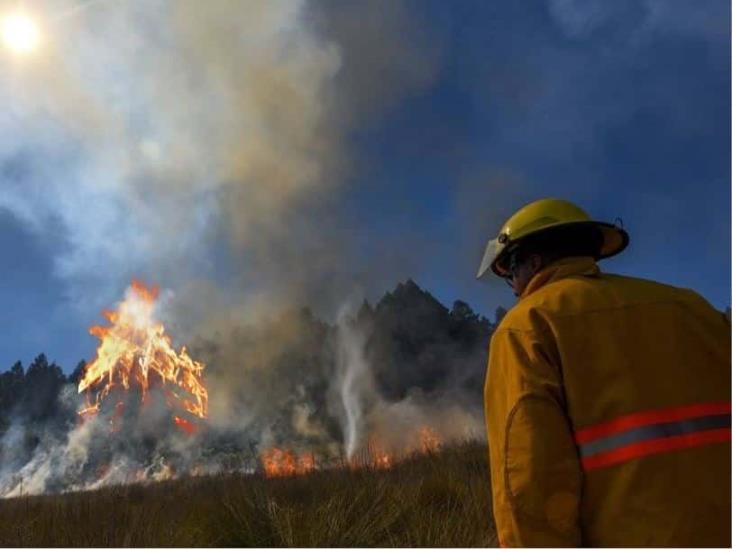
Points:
[(19, 33)]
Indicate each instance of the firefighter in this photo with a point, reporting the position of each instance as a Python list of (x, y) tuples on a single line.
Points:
[(607, 398)]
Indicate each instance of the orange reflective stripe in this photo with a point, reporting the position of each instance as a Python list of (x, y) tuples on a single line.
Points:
[(656, 446), (640, 419)]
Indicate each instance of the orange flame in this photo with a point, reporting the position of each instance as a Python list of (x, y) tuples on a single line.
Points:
[(132, 347), (185, 425), (280, 463), (429, 442), (379, 457), (382, 460)]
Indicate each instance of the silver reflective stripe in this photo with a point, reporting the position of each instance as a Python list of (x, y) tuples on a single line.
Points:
[(649, 432)]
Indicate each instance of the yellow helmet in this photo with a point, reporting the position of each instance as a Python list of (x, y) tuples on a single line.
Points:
[(540, 216)]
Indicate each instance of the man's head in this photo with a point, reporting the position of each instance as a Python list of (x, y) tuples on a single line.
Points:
[(543, 232), (536, 252)]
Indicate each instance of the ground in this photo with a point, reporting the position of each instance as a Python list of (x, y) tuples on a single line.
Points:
[(437, 500)]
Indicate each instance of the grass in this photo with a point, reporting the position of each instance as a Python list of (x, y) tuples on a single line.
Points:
[(434, 500)]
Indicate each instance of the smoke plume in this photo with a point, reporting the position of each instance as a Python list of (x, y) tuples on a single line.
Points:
[(204, 147)]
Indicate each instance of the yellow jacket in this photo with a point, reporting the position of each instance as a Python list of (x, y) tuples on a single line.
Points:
[(607, 405)]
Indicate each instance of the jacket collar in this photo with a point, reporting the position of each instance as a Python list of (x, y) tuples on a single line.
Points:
[(564, 268)]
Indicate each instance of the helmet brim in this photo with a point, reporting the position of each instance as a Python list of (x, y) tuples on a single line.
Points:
[(614, 239)]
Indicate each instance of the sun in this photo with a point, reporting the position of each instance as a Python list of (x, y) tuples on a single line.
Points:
[(19, 33)]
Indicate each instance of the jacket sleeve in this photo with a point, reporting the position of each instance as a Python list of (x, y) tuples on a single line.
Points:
[(535, 472)]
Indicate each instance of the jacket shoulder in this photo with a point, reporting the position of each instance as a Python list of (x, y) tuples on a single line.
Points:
[(583, 294)]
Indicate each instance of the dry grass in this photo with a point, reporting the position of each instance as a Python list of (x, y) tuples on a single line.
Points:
[(439, 500)]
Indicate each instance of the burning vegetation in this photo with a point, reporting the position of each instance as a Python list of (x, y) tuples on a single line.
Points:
[(436, 500), (278, 463), (286, 397), (136, 356), (135, 353)]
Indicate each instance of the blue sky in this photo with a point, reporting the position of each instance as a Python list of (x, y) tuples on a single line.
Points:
[(623, 107)]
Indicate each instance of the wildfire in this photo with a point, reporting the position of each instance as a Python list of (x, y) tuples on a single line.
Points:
[(279, 463), (382, 460), (429, 442), (379, 457), (134, 350)]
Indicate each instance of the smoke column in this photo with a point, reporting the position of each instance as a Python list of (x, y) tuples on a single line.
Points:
[(149, 137), (203, 147), (354, 382)]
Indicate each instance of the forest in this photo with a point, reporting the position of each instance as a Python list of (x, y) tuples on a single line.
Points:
[(281, 383)]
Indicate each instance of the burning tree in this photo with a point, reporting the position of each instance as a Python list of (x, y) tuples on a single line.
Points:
[(135, 353), (142, 397)]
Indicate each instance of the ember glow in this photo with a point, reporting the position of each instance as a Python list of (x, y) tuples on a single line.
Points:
[(279, 463), (134, 351), (377, 456), (429, 441)]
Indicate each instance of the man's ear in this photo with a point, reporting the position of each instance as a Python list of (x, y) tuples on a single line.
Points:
[(536, 262)]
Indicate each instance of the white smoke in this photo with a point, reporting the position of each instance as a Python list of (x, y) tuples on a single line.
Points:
[(191, 144), (93, 453), (355, 383), (140, 132), (395, 426), (90, 456), (53, 461)]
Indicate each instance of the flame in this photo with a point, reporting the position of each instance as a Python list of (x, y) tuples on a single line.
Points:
[(382, 460), (379, 457), (429, 442), (185, 425), (279, 463), (134, 349)]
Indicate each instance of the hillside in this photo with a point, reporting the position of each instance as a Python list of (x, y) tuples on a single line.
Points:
[(289, 381), (433, 500)]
